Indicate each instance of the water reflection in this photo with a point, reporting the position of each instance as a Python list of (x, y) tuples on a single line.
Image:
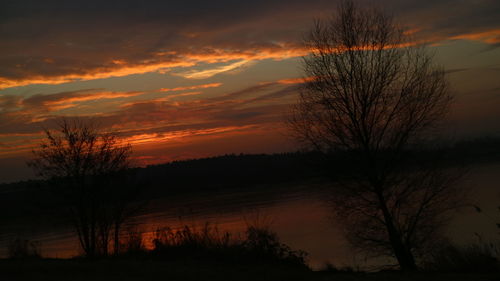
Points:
[(298, 213)]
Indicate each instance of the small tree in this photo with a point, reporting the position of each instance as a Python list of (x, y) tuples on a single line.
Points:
[(88, 168), (371, 96)]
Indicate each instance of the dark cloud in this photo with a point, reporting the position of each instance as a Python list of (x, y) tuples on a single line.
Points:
[(66, 40), (454, 70), (40, 100), (288, 91), (9, 103)]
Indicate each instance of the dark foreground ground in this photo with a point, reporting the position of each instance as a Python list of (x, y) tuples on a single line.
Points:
[(54, 270)]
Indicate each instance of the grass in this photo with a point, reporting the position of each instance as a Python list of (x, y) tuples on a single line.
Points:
[(190, 270), (142, 269), (183, 254), (477, 257), (207, 253), (256, 245)]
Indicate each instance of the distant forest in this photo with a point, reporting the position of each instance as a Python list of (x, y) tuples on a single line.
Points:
[(234, 172), (239, 170)]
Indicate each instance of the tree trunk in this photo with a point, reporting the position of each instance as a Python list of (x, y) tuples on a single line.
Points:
[(403, 254), (117, 238)]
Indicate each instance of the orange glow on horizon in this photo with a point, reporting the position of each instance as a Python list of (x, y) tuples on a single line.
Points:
[(139, 141), (142, 139)]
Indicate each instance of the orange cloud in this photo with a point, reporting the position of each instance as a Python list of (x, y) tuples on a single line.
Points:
[(196, 87), (412, 31), (203, 74), (164, 99), (490, 36), (182, 95), (143, 139), (15, 147), (175, 59), (278, 52), (152, 122), (59, 101), (93, 96), (291, 81), (120, 68), (71, 99)]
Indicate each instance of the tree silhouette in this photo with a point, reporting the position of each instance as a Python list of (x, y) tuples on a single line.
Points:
[(88, 169), (370, 97)]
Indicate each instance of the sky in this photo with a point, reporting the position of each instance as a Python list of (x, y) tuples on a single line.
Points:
[(196, 78)]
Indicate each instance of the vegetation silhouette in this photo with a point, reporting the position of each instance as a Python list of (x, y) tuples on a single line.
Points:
[(23, 249), (258, 245), (35, 198), (470, 258), (89, 170), (371, 98), (134, 260)]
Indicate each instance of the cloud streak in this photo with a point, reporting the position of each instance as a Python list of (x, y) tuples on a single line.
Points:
[(489, 36), (65, 72), (195, 87), (207, 73), (54, 43), (158, 119)]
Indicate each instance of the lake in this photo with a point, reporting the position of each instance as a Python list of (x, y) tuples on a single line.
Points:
[(298, 213)]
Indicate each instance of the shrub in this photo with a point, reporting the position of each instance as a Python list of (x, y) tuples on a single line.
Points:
[(207, 237), (266, 244), (133, 242), (23, 248), (478, 257), (258, 245), (330, 267)]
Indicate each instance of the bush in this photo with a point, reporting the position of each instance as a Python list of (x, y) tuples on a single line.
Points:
[(478, 257), (264, 243), (330, 267), (258, 245), (23, 248), (133, 242), (189, 238)]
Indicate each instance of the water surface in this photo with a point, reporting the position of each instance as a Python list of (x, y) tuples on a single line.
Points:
[(298, 213)]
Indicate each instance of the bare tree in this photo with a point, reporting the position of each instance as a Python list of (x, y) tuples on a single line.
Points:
[(89, 169), (371, 95)]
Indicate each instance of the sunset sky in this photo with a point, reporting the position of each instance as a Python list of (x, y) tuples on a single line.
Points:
[(196, 78)]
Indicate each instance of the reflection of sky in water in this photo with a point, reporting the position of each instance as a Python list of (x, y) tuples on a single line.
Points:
[(300, 218)]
